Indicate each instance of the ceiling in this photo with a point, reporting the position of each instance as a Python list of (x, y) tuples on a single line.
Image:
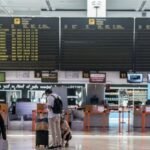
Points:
[(35, 7)]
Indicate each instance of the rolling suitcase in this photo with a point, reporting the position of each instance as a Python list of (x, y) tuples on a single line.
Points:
[(42, 138), (42, 134)]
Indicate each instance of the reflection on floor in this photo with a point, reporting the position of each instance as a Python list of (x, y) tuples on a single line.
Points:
[(97, 139)]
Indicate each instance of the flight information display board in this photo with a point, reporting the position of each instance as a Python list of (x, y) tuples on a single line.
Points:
[(142, 44), (96, 44), (29, 43)]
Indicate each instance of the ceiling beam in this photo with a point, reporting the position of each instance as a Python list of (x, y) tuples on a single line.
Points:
[(142, 6), (6, 8), (50, 5)]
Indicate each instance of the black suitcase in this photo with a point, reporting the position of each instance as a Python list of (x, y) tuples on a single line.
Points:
[(42, 138)]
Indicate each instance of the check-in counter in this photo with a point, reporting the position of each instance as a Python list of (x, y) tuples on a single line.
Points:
[(141, 117), (77, 119), (23, 116), (96, 116), (89, 116), (137, 118)]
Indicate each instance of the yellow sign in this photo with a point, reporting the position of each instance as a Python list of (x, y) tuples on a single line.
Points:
[(91, 21), (17, 21)]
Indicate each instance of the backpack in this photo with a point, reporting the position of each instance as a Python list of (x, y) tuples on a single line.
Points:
[(58, 105)]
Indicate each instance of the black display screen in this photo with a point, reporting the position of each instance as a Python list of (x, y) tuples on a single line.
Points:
[(29, 43), (97, 44), (71, 91), (142, 44)]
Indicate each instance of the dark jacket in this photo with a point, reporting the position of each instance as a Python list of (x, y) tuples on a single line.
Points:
[(2, 128)]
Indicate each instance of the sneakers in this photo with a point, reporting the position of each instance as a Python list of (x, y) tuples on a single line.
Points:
[(59, 146), (52, 146), (67, 144)]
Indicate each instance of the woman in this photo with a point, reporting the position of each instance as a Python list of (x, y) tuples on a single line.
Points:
[(65, 131)]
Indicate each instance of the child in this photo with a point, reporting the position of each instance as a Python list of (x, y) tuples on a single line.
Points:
[(65, 131)]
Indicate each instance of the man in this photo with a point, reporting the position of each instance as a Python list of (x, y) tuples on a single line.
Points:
[(54, 120), (2, 126)]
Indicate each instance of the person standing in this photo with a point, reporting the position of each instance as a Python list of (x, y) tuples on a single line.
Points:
[(2, 126), (54, 120)]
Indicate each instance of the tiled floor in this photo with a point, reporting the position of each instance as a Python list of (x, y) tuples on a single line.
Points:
[(93, 140)]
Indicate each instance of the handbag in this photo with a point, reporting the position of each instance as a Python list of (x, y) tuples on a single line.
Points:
[(3, 144)]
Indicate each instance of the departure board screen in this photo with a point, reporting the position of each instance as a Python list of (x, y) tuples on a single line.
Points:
[(29, 43), (96, 43), (142, 44)]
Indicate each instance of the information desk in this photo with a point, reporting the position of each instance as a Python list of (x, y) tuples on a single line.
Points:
[(96, 116)]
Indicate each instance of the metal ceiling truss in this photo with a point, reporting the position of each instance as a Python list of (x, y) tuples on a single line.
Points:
[(6, 9)]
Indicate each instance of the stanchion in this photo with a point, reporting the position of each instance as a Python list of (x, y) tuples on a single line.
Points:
[(128, 120), (104, 120), (122, 114), (119, 120), (143, 121), (106, 111), (88, 120), (85, 120)]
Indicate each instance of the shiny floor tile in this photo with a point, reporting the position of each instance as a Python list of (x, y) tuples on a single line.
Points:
[(93, 140)]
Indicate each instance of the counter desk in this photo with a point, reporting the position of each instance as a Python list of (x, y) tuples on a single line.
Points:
[(96, 116), (142, 118)]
